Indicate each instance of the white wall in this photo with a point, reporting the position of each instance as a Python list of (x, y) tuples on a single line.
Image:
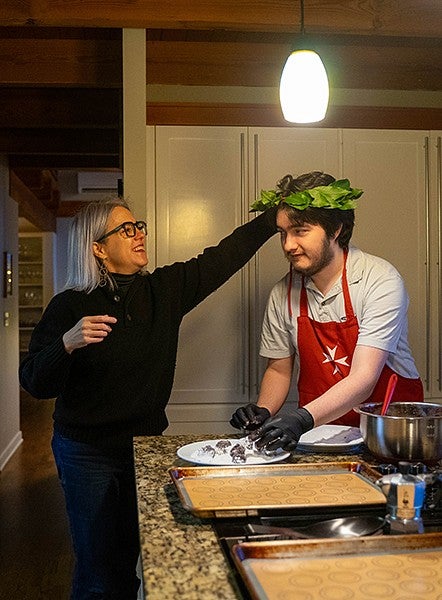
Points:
[(10, 434)]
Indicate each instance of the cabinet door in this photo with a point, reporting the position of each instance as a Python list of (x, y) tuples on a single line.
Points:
[(273, 153), (200, 180), (434, 157), (392, 216)]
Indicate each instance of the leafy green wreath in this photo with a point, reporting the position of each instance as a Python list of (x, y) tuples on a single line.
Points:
[(338, 194)]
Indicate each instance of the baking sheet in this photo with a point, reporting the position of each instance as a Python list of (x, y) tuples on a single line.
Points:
[(252, 491), (394, 567)]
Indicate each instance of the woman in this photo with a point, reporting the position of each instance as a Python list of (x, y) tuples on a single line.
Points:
[(106, 349)]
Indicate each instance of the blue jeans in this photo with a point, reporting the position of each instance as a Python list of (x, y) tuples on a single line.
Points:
[(99, 489)]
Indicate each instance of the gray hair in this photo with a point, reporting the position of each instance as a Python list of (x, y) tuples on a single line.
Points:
[(85, 270)]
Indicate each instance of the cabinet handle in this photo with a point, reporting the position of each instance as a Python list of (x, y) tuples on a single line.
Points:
[(244, 319), (439, 255), (427, 265), (256, 265)]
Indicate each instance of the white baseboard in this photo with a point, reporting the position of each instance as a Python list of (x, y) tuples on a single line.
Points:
[(10, 449)]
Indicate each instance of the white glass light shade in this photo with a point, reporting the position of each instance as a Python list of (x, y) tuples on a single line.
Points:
[(303, 91)]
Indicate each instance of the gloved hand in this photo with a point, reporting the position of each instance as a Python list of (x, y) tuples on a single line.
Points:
[(249, 417), (283, 432)]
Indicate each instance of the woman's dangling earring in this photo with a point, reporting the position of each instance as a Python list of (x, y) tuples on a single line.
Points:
[(104, 274)]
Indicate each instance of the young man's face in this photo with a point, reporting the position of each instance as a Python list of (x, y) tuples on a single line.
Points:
[(306, 246)]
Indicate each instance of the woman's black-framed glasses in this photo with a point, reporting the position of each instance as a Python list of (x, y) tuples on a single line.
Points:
[(129, 228)]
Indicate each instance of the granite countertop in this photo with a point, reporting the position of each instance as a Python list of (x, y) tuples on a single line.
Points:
[(180, 553)]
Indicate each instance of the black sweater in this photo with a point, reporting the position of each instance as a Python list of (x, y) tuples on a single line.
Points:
[(120, 387)]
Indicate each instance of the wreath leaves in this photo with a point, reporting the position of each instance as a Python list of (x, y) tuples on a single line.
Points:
[(338, 194)]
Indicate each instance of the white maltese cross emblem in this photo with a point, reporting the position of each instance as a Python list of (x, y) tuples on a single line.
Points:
[(330, 357)]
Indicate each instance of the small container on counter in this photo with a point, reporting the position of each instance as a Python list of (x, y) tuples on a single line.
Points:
[(405, 494)]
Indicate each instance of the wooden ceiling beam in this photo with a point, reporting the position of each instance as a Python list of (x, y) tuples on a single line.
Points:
[(269, 115), (69, 208), (222, 59), (57, 57), (30, 207), (61, 97), (63, 141), (389, 17), (60, 62), (65, 161), (43, 184), (349, 63), (23, 107)]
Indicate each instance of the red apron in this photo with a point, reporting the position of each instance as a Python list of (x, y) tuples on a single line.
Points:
[(326, 351)]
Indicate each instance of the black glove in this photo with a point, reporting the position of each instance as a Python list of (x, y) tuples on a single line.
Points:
[(249, 417), (283, 432)]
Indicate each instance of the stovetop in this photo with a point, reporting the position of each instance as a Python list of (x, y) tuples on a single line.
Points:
[(431, 511), (236, 531)]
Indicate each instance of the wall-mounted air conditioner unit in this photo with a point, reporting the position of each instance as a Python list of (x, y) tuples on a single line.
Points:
[(98, 182)]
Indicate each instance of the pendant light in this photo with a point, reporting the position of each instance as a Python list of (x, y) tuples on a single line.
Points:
[(303, 89)]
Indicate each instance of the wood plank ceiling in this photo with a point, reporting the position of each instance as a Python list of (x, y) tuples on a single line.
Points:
[(61, 68)]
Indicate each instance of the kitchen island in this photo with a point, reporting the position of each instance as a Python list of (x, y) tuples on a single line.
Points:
[(181, 556)]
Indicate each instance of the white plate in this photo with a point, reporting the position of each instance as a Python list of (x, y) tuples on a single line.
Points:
[(331, 438), (191, 453)]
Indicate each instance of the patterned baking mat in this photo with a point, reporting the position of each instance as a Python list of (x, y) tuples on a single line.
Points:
[(210, 492), (400, 573), (314, 490), (415, 576)]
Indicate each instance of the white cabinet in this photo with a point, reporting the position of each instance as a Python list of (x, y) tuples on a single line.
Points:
[(200, 182), (398, 218), (206, 179), (35, 281)]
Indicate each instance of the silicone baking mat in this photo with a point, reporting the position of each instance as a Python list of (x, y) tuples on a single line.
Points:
[(400, 568), (210, 492)]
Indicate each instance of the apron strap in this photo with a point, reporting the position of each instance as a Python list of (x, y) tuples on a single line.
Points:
[(289, 291), (347, 301)]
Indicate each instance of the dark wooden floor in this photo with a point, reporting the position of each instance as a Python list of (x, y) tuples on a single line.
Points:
[(35, 549)]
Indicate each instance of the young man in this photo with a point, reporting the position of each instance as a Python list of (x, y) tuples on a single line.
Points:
[(339, 318)]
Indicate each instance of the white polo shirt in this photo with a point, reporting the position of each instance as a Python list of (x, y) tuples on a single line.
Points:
[(379, 300)]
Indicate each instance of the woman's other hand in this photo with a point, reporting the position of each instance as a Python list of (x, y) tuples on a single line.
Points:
[(88, 330)]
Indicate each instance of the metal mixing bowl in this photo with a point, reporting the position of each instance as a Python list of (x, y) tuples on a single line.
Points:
[(411, 431)]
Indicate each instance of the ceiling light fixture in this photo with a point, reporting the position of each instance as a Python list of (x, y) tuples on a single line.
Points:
[(303, 89)]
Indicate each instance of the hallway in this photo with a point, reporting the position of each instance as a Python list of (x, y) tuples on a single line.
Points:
[(35, 552)]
